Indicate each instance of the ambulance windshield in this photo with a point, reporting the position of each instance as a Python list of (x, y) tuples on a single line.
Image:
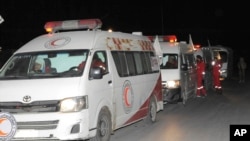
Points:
[(45, 64), (169, 61)]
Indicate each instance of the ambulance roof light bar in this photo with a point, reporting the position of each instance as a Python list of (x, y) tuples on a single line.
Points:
[(55, 26), (164, 38), (197, 46), (151, 38), (168, 38)]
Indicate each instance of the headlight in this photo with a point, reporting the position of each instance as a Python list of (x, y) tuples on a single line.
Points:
[(74, 104), (172, 84)]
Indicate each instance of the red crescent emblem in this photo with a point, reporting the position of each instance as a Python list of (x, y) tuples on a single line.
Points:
[(126, 97), (53, 42), (2, 133)]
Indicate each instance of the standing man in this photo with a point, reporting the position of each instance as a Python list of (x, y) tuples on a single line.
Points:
[(242, 65), (200, 75), (216, 75)]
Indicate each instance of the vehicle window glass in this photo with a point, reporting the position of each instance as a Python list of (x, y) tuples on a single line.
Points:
[(169, 61), (130, 62), (44, 64), (138, 62)]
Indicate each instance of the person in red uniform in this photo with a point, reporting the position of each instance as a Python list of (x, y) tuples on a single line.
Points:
[(200, 75), (216, 75)]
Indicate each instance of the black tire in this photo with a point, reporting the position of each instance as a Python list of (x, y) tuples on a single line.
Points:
[(103, 126), (152, 111)]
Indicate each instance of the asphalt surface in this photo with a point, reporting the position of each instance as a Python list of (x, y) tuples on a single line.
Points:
[(201, 119)]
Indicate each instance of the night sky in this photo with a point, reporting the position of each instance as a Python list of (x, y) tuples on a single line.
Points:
[(219, 22)]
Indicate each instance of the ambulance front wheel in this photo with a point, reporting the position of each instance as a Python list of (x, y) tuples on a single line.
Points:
[(103, 132), (152, 111)]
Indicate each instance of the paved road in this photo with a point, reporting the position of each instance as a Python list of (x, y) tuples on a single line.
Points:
[(202, 119)]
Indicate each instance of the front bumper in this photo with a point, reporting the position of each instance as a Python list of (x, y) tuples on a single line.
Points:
[(171, 95), (52, 126)]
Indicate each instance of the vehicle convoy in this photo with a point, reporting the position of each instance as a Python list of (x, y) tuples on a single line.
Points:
[(78, 82), (178, 68)]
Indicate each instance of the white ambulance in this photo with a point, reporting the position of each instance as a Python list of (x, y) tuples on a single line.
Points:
[(178, 68), (57, 91)]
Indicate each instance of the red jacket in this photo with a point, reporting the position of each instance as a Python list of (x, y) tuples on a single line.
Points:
[(217, 67), (200, 68)]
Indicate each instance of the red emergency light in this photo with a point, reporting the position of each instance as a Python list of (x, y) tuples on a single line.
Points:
[(151, 38), (164, 38), (197, 46), (55, 26), (168, 38)]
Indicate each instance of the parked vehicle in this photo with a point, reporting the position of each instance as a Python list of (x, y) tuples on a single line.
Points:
[(179, 79), (86, 83)]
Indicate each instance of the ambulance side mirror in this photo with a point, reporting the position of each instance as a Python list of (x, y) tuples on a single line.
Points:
[(184, 67), (95, 73)]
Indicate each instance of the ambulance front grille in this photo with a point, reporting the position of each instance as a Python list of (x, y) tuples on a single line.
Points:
[(34, 107), (36, 139), (38, 125)]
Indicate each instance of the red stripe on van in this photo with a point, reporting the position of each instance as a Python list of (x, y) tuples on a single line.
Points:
[(143, 111)]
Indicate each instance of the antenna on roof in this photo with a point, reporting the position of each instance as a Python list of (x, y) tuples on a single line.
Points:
[(208, 42)]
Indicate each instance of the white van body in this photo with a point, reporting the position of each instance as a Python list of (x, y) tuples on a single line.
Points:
[(179, 82), (68, 103)]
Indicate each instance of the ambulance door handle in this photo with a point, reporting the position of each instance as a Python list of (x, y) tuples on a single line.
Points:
[(110, 81)]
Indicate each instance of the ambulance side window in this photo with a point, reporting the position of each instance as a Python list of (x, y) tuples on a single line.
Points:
[(138, 62), (192, 61), (148, 62), (189, 61), (184, 65), (120, 62), (144, 63), (131, 63), (100, 60)]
